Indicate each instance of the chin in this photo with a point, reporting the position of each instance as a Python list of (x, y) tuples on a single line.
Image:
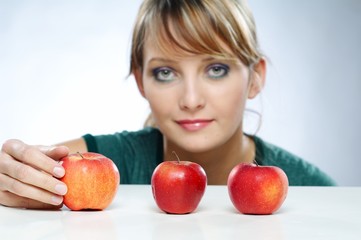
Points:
[(196, 144), (197, 141), (196, 149)]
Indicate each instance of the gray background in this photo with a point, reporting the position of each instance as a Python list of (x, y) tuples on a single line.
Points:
[(63, 69)]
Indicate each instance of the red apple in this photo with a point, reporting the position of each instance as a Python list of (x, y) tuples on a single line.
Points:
[(92, 180), (255, 189), (178, 186)]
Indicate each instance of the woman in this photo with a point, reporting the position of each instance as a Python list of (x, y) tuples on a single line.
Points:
[(196, 62)]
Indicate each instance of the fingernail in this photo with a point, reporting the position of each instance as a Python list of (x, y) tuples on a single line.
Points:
[(59, 171), (61, 189), (57, 200)]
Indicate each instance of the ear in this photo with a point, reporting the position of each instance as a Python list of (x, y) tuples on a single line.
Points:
[(257, 78), (139, 80)]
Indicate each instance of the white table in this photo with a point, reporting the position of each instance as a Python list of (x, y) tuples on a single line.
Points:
[(308, 213)]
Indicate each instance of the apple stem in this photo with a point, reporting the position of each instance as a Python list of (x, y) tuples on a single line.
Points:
[(176, 156), (80, 155), (255, 161)]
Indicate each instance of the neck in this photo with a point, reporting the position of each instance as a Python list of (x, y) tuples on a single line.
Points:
[(219, 161)]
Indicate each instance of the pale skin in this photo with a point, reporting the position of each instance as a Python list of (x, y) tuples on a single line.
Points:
[(200, 87), (206, 88)]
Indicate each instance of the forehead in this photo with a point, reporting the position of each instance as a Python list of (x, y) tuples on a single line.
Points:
[(153, 54), (172, 44)]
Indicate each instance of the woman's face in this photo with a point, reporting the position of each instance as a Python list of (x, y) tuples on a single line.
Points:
[(197, 101)]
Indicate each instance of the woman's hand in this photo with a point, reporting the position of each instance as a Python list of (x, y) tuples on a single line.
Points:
[(28, 175)]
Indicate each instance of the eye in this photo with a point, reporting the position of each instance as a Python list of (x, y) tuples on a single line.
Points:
[(217, 71), (163, 74)]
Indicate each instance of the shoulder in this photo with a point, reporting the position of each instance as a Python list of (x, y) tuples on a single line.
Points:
[(122, 139), (148, 132), (136, 153), (299, 171)]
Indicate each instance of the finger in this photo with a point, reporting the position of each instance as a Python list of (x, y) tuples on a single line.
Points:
[(28, 176), (54, 152), (27, 191), (12, 200), (34, 156)]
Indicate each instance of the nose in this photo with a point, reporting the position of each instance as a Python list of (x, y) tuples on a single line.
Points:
[(192, 98)]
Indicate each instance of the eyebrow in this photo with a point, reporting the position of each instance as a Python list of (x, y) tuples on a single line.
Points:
[(209, 59), (160, 59)]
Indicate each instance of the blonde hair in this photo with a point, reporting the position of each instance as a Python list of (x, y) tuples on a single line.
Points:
[(211, 27)]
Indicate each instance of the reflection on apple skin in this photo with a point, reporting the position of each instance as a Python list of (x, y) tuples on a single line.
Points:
[(89, 225)]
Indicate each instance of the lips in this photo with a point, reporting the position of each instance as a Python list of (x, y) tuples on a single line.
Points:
[(194, 124)]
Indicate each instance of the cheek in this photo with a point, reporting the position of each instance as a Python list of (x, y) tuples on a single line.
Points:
[(231, 101), (235, 94), (236, 109), (160, 102)]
